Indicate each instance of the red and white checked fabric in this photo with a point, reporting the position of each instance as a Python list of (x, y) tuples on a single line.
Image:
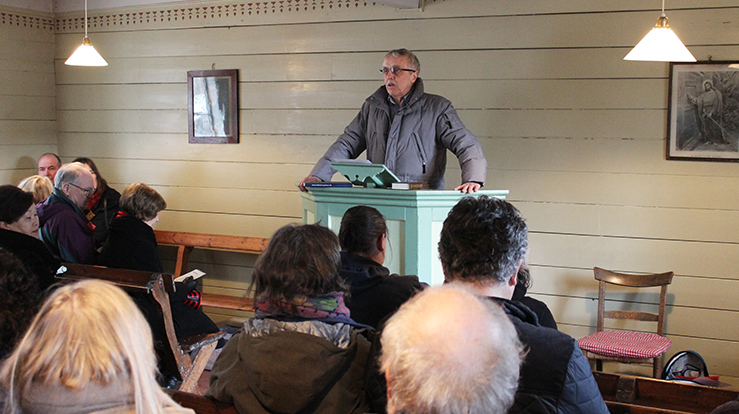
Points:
[(628, 344)]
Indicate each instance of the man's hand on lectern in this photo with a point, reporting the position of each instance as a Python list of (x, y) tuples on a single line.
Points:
[(308, 179), (468, 187)]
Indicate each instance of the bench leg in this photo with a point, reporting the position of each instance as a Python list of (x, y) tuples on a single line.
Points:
[(190, 383)]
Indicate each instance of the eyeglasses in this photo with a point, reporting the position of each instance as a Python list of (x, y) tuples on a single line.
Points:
[(395, 70), (87, 191)]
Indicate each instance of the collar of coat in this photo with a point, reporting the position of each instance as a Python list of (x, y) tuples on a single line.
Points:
[(380, 97)]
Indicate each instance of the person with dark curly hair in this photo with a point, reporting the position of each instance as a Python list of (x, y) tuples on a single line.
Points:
[(483, 245), (20, 297), (301, 352), (19, 234)]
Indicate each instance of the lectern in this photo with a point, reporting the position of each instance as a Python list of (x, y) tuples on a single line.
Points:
[(414, 219)]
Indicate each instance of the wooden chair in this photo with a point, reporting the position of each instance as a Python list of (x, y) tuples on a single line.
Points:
[(628, 346), (186, 358)]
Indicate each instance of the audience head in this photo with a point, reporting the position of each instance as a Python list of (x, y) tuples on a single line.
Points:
[(299, 260), (483, 241), (446, 351), (48, 165), (143, 202), (100, 182), (38, 185), (17, 211), (19, 300), (364, 233), (75, 181), (86, 333)]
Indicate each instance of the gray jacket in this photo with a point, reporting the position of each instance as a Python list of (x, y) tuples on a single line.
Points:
[(414, 144)]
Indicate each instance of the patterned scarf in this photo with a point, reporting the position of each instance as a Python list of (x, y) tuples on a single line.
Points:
[(330, 307)]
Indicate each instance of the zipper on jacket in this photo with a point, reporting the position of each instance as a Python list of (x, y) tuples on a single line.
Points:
[(420, 154)]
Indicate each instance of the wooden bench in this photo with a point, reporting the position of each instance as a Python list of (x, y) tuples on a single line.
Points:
[(186, 358), (626, 394), (186, 242)]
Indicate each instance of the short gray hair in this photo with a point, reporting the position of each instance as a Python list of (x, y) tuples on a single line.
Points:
[(412, 59), (69, 173), (447, 351)]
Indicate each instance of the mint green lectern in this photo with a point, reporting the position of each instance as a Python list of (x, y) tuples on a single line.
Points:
[(414, 219)]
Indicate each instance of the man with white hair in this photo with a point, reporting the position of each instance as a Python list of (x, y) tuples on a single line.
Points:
[(446, 352), (483, 244), (63, 226)]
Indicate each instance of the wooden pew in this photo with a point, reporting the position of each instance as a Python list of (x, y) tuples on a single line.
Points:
[(186, 242), (200, 404), (626, 394), (187, 357)]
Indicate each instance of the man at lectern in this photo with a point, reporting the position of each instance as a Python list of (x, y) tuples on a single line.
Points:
[(408, 130)]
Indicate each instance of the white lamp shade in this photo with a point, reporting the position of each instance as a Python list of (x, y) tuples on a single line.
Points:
[(661, 44), (86, 55)]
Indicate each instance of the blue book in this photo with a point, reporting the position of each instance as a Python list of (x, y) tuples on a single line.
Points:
[(329, 184)]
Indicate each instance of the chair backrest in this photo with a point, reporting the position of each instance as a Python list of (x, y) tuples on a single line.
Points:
[(632, 280)]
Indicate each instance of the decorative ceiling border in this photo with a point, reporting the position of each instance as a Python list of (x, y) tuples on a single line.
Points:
[(205, 14), (33, 22)]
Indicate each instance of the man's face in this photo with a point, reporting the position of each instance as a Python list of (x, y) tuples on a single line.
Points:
[(48, 166), (82, 191), (399, 84)]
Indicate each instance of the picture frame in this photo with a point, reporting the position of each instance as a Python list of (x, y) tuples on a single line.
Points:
[(703, 112), (213, 106)]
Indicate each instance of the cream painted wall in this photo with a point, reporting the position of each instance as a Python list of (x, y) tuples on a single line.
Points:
[(574, 132), (27, 92)]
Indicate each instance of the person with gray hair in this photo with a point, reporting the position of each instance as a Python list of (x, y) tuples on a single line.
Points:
[(63, 226), (446, 352), (483, 244), (408, 130)]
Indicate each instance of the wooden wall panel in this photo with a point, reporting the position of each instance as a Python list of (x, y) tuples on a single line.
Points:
[(27, 92)]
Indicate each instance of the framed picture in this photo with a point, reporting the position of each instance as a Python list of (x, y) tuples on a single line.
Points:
[(213, 106), (703, 112)]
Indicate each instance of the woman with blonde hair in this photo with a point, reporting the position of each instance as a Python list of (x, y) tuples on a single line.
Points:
[(88, 350), (40, 186)]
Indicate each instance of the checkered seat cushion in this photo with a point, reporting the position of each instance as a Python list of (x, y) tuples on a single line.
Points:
[(625, 344)]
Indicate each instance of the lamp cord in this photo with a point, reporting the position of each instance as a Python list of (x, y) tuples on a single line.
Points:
[(663, 2)]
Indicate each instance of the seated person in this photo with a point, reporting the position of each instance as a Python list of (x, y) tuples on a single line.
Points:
[(483, 244), (41, 187), (20, 298), (88, 350), (64, 227), (19, 235), (301, 352), (132, 245), (375, 293), (540, 308), (103, 206), (446, 351)]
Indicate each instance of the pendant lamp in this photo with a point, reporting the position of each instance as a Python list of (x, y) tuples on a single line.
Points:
[(661, 44), (86, 55)]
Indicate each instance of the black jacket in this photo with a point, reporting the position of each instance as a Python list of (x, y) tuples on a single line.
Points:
[(375, 293), (132, 245), (33, 253), (103, 213), (555, 375), (540, 308)]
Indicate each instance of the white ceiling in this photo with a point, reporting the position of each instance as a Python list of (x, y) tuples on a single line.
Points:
[(62, 6)]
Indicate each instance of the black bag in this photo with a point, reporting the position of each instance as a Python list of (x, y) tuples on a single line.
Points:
[(685, 366)]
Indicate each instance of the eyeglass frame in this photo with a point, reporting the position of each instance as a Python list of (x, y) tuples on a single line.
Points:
[(87, 191), (395, 69)]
